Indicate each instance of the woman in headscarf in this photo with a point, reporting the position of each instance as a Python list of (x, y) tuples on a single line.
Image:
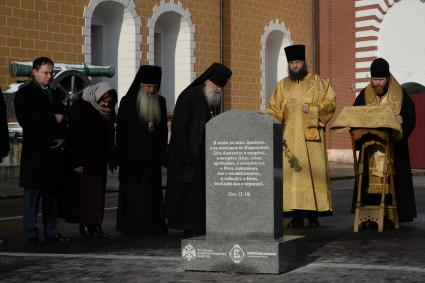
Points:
[(91, 146)]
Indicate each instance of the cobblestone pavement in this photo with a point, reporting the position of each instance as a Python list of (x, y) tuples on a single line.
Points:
[(394, 256), (330, 253)]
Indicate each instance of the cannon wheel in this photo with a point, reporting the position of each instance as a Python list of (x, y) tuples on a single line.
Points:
[(71, 82)]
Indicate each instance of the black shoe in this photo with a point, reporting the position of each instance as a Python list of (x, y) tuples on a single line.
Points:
[(34, 242), (88, 231), (83, 231), (57, 239), (296, 222), (2, 242), (312, 222), (99, 232)]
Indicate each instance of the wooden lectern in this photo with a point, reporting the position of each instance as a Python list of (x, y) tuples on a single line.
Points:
[(371, 142), (373, 130)]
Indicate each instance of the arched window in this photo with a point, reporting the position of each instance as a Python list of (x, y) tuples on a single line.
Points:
[(112, 38), (273, 60), (171, 46)]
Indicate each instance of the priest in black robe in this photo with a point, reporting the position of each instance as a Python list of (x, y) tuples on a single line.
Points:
[(141, 146), (195, 106), (385, 90)]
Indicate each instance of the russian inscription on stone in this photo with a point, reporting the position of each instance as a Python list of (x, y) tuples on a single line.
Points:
[(243, 196), (243, 175)]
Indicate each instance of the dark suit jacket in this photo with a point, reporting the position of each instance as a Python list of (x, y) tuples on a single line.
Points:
[(41, 166), (4, 132)]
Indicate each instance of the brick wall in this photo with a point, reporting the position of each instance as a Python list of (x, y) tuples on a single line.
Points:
[(245, 21), (206, 18), (337, 57), (32, 28), (29, 29)]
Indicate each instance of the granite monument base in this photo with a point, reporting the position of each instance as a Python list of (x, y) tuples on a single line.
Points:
[(237, 255)]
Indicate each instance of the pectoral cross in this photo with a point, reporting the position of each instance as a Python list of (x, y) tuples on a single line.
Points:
[(151, 127)]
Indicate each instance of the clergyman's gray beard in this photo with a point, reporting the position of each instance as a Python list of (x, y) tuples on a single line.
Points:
[(213, 98), (148, 108)]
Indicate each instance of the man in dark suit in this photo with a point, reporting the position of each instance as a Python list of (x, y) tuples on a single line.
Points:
[(4, 135), (40, 113)]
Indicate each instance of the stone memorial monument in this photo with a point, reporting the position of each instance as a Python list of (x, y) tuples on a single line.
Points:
[(244, 223)]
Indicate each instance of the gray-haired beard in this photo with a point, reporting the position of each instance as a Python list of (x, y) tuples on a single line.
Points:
[(213, 98), (298, 76), (148, 107)]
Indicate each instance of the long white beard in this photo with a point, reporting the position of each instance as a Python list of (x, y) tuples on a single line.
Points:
[(213, 98), (148, 108)]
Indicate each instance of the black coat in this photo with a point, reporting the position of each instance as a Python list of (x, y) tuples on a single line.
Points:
[(405, 196), (91, 145), (140, 155), (4, 132), (41, 166), (185, 195)]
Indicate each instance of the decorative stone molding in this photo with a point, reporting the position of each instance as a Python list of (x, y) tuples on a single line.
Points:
[(129, 12), (273, 25), (369, 16), (178, 8)]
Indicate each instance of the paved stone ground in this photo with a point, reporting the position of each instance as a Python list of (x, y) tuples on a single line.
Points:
[(394, 256), (330, 253)]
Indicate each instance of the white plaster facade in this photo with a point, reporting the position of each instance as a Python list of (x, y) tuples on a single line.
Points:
[(171, 42), (115, 26), (274, 65), (394, 30)]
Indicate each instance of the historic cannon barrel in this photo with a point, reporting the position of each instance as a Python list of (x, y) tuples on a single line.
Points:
[(20, 69), (24, 69), (69, 78)]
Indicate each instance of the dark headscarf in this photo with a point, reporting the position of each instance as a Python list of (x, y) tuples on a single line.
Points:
[(379, 68), (147, 74), (217, 73), (295, 52)]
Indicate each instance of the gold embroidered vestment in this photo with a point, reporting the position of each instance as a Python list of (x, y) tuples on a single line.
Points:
[(306, 183)]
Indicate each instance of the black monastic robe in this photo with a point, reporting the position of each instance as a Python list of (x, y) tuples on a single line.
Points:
[(185, 195), (140, 155)]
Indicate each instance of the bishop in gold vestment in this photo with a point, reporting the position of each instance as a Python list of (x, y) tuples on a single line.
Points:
[(304, 103)]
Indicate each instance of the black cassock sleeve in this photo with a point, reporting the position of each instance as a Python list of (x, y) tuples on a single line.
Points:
[(408, 114)]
